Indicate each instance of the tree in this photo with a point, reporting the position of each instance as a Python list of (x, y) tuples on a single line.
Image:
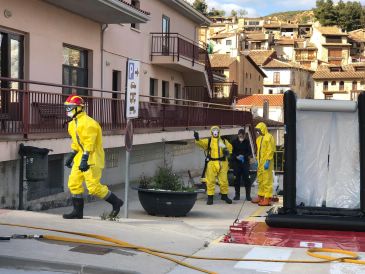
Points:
[(325, 12), (242, 13), (200, 6), (234, 13), (214, 12)]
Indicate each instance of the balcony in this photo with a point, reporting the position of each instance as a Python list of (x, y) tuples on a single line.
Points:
[(104, 11), (37, 110)]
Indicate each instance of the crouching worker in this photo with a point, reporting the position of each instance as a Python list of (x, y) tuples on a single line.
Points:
[(87, 159), (218, 150), (265, 153)]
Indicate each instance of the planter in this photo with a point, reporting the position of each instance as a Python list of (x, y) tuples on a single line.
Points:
[(167, 203)]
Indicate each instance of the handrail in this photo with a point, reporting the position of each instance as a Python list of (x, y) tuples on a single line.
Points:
[(40, 83), (180, 35)]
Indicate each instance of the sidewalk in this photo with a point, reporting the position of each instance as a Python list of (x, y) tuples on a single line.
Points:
[(197, 234)]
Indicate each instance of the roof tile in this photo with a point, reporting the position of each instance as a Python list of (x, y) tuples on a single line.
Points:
[(258, 100)]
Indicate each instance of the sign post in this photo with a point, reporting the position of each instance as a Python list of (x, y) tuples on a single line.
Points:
[(131, 112)]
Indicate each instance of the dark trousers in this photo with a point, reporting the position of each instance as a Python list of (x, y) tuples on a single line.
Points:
[(241, 172)]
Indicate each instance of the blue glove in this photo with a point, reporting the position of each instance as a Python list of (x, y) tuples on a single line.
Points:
[(254, 166), (241, 158), (84, 166), (196, 135), (267, 164)]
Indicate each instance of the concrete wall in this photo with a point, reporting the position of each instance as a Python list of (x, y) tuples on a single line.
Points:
[(46, 29), (285, 51)]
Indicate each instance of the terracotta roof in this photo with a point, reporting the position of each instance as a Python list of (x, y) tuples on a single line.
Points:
[(261, 56), (285, 42), (221, 60), (289, 26), (272, 26), (223, 35), (347, 72), (268, 122), (274, 63), (258, 36), (331, 31), (257, 100), (357, 35)]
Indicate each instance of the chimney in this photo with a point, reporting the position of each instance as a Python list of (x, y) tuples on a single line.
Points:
[(265, 112)]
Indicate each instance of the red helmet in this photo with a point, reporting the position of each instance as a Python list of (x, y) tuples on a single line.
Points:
[(74, 100)]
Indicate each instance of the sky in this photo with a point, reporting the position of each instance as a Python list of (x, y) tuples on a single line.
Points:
[(256, 8)]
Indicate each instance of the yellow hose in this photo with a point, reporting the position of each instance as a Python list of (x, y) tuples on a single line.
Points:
[(351, 257)]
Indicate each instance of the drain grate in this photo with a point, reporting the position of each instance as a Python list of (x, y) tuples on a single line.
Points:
[(88, 249)]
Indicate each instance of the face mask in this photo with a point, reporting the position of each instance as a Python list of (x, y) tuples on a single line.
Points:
[(215, 133), (70, 114), (241, 139), (70, 111)]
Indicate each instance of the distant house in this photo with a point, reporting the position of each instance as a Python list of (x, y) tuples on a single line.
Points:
[(256, 102), (256, 41), (332, 44), (357, 40), (242, 70), (284, 48), (339, 82), (305, 54), (225, 42)]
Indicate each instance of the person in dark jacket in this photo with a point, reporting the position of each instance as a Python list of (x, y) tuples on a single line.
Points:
[(241, 155)]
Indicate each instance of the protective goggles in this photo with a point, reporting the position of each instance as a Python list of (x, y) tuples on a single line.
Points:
[(70, 108)]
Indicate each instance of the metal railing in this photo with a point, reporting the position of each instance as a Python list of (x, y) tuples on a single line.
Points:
[(179, 46), (38, 108)]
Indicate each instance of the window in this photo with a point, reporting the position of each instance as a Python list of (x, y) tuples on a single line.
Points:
[(325, 85), (165, 34), (245, 90), (270, 91), (153, 89), (136, 4), (228, 42), (116, 86), (328, 96), (165, 91), (178, 93), (276, 77), (246, 75), (342, 86), (333, 83), (250, 75), (75, 69)]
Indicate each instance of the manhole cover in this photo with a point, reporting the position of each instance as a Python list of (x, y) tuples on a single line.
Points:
[(96, 250)]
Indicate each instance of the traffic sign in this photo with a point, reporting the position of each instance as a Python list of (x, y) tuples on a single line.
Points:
[(132, 91)]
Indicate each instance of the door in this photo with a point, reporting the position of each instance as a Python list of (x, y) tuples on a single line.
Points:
[(11, 66), (165, 34)]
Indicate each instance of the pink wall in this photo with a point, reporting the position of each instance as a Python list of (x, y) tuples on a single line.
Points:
[(46, 29)]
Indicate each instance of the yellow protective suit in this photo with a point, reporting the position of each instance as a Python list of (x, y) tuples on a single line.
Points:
[(265, 151), (216, 168), (86, 135)]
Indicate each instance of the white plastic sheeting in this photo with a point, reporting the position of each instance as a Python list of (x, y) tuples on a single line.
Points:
[(328, 168)]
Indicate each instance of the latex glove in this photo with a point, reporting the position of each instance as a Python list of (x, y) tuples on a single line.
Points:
[(241, 158), (225, 152), (84, 166), (254, 165), (70, 159), (196, 135), (267, 165)]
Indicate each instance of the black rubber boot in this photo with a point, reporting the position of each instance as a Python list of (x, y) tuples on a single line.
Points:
[(248, 193), (236, 196), (225, 198), (78, 211), (210, 200), (116, 203)]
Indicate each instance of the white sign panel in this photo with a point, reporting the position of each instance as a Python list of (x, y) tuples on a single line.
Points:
[(132, 94)]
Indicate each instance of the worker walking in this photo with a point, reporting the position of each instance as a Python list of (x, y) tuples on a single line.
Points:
[(87, 159), (218, 150), (265, 153), (241, 164)]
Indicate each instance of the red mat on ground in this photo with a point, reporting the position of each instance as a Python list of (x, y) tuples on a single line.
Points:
[(258, 233)]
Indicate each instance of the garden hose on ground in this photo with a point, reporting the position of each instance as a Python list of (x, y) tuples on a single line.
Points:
[(351, 257)]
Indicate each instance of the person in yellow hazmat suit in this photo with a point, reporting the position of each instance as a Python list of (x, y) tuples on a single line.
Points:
[(265, 164), (87, 159), (218, 150)]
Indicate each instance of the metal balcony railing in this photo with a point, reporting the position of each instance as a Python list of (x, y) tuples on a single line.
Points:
[(37, 108), (179, 46)]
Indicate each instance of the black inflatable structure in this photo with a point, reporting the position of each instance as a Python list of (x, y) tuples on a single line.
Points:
[(292, 215)]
